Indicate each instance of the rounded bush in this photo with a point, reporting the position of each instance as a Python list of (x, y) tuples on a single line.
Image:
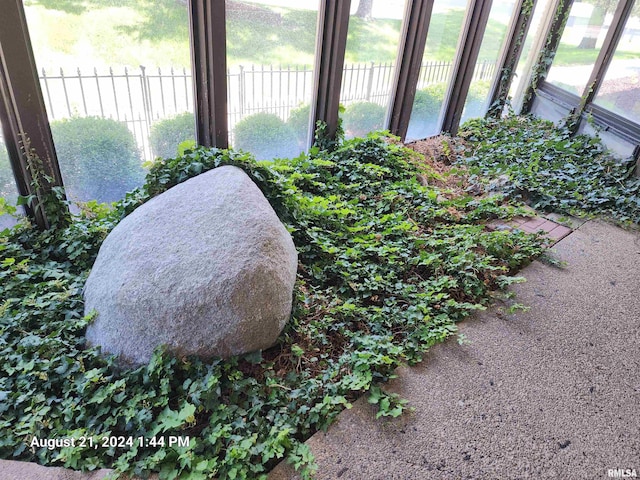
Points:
[(99, 158), (476, 99), (426, 111), (266, 136), (168, 133), (428, 102), (299, 123), (361, 118)]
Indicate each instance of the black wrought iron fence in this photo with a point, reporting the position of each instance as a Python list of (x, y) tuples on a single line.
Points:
[(139, 97)]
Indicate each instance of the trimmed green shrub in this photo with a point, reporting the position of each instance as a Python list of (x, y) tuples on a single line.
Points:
[(299, 123), (426, 110), (476, 98), (266, 136), (361, 118), (428, 102), (98, 157), (168, 133)]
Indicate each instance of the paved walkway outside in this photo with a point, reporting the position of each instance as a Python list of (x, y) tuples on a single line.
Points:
[(553, 393)]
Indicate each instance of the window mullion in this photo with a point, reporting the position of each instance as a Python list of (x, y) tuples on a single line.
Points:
[(22, 111)]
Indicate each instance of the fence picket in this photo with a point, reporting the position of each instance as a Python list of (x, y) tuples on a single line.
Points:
[(95, 73), (186, 89), (46, 86), (84, 101), (115, 95), (370, 82), (164, 110), (66, 94)]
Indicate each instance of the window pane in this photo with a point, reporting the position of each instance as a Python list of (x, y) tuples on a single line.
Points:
[(116, 81), (580, 44), (529, 54), (270, 56), (436, 70), (620, 91), (477, 102), (370, 61), (8, 189)]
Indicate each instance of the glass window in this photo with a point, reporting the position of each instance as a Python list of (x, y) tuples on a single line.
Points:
[(447, 19), (116, 81), (580, 44), (620, 90), (370, 61), (530, 51), (8, 190), (270, 57), (486, 69)]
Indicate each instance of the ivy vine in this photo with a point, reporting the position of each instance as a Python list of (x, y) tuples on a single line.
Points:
[(387, 268)]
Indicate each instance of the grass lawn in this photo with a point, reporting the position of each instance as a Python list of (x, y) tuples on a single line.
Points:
[(157, 34), (572, 55), (106, 36)]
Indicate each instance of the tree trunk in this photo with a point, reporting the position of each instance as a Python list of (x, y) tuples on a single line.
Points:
[(364, 9), (596, 21)]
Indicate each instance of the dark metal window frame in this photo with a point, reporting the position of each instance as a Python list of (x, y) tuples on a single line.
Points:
[(609, 46), (22, 112), (415, 29), (333, 25), (464, 65), (612, 122), (605, 55), (516, 37), (207, 27), (568, 100), (562, 8), (580, 107)]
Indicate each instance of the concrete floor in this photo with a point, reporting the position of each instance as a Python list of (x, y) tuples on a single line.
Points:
[(550, 393)]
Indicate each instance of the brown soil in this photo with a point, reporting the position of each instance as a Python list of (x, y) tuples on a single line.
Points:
[(437, 155)]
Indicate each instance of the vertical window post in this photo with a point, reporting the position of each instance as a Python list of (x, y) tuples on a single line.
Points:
[(209, 63), (333, 23), (465, 63), (545, 57), (22, 112), (520, 23), (620, 17), (416, 27)]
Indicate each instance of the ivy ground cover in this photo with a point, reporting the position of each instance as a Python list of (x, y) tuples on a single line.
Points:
[(552, 169), (392, 254)]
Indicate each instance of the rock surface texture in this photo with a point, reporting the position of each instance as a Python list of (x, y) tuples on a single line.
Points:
[(205, 268)]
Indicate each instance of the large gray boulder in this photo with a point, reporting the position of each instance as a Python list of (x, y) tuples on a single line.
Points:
[(205, 268)]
